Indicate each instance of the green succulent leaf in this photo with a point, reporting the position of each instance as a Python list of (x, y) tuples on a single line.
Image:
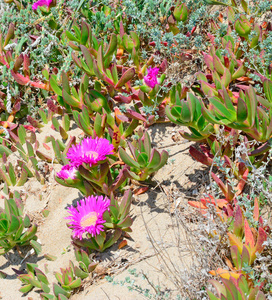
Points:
[(127, 159)]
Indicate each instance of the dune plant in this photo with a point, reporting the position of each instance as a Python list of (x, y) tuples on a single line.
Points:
[(15, 227), (68, 279), (103, 224)]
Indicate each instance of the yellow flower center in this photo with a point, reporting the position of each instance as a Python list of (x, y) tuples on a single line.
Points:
[(88, 220), (92, 154)]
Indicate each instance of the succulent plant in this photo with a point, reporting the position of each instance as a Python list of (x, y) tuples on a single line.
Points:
[(15, 227), (86, 264), (68, 279), (118, 214), (145, 161), (100, 242), (235, 289)]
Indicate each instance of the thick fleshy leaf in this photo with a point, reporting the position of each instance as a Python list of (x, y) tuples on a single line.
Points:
[(37, 246), (112, 46), (241, 71), (219, 287), (59, 290), (267, 85), (127, 159), (180, 12), (262, 237), (128, 75), (234, 240), (238, 222), (249, 238), (218, 65)]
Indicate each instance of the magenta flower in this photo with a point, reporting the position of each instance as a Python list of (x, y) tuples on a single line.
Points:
[(151, 77), (90, 151), (88, 216), (41, 3), (67, 171)]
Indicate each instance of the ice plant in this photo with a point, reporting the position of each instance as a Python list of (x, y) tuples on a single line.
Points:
[(67, 171), (87, 217), (90, 151), (41, 3), (151, 77)]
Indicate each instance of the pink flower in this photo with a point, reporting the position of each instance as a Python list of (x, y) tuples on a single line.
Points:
[(90, 151), (67, 171), (151, 77), (41, 3), (88, 216)]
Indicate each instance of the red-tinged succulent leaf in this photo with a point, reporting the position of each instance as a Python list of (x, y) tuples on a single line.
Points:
[(59, 290), (127, 159), (100, 59), (208, 89), (238, 222), (221, 202), (242, 182), (197, 204), (75, 283), (163, 66), (208, 60), (236, 257), (256, 212), (155, 159), (88, 57), (221, 290), (43, 156), (221, 185), (19, 78), (26, 65), (262, 237), (112, 46), (231, 289), (234, 240), (242, 26), (34, 122), (225, 273), (18, 63), (134, 115), (260, 296), (140, 190), (10, 34), (211, 295), (70, 100), (128, 75), (122, 98), (126, 223), (26, 288), (267, 85), (197, 155), (122, 244), (241, 71), (218, 65), (249, 238), (245, 257), (180, 12), (226, 78), (84, 33)]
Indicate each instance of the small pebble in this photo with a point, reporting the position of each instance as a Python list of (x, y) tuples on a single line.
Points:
[(195, 192)]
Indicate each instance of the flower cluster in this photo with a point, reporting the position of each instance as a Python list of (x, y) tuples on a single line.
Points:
[(89, 151), (87, 217)]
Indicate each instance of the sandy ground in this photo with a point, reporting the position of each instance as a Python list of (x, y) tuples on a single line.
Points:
[(154, 231)]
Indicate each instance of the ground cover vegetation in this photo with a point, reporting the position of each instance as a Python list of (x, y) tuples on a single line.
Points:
[(114, 69)]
